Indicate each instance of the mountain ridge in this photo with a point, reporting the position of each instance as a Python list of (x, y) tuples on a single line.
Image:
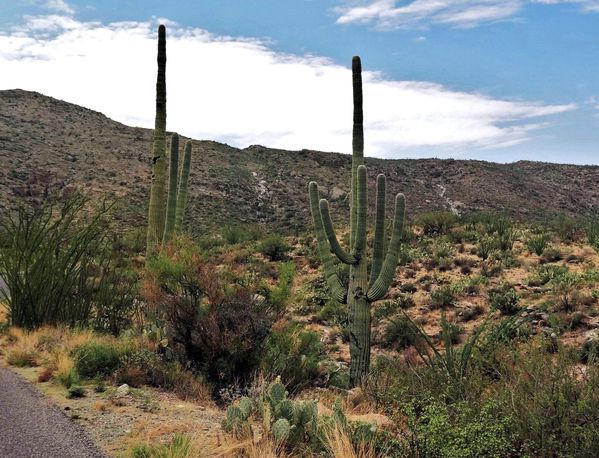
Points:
[(40, 135)]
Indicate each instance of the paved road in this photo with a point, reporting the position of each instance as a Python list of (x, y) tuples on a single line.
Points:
[(32, 427)]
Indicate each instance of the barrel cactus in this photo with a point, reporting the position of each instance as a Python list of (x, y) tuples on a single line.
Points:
[(362, 289)]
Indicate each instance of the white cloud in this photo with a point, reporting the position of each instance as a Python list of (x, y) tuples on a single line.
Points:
[(390, 14), (240, 91), (59, 6)]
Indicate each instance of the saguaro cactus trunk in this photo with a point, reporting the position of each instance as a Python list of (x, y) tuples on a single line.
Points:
[(173, 184), (156, 214), (360, 291)]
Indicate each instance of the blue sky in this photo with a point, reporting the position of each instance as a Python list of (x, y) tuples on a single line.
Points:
[(497, 80)]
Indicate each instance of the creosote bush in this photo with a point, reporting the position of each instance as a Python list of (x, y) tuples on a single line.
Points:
[(274, 247)]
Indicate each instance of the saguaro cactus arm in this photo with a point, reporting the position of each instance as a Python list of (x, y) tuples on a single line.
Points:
[(336, 248), (382, 283), (182, 191), (322, 245), (379, 229), (173, 182)]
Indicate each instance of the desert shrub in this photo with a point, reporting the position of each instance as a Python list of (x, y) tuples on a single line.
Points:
[(442, 297), (116, 300), (545, 273), (504, 299), (462, 431), (50, 253), (399, 333), (274, 247), (293, 354), (233, 234), (332, 312), (565, 227), (281, 293), (436, 223), (592, 232), (566, 292), (486, 246), (537, 244), (95, 358), (68, 378), (217, 327), (75, 391), (551, 254)]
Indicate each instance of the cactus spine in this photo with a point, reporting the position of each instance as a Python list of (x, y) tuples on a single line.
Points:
[(361, 291), (156, 214), (173, 181), (182, 190)]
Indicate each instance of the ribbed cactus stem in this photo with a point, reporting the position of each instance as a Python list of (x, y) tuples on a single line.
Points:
[(156, 213), (173, 182), (359, 293), (333, 282), (381, 285), (379, 228), (357, 144), (182, 190), (336, 248)]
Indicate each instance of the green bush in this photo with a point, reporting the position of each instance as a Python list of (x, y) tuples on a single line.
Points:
[(437, 223), (400, 333), (274, 247), (565, 227), (537, 244), (462, 431), (281, 293), (293, 354), (442, 297), (75, 391), (233, 234), (95, 358), (486, 246), (505, 300), (178, 447)]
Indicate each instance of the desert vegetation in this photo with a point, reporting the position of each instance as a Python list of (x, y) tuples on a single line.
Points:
[(470, 335)]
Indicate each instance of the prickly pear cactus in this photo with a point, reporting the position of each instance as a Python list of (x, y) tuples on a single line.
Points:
[(281, 430)]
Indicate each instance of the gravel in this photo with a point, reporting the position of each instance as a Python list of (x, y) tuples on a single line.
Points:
[(31, 426)]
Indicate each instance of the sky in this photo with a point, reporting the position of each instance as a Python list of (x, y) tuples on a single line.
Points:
[(497, 80)]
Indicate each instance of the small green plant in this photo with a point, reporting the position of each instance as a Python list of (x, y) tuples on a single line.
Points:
[(399, 333), (75, 391), (96, 358), (442, 297), (233, 234), (537, 243), (505, 300), (69, 378), (178, 447), (274, 247), (486, 246), (436, 223)]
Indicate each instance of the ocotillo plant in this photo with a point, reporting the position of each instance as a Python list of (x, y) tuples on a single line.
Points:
[(360, 292), (171, 203), (156, 214), (182, 191)]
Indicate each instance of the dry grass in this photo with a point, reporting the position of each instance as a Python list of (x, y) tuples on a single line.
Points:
[(340, 445), (230, 447)]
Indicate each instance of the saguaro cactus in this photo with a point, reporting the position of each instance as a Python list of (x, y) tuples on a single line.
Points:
[(360, 292), (156, 214), (173, 183), (182, 191)]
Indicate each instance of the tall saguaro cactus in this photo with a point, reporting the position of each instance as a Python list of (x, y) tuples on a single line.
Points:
[(173, 183), (156, 215), (360, 291)]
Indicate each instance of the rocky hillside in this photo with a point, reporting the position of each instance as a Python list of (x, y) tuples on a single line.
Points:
[(42, 138)]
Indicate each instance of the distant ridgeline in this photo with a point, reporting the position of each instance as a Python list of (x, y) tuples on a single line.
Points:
[(48, 142)]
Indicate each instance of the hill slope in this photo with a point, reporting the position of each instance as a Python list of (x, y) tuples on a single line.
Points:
[(41, 137)]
